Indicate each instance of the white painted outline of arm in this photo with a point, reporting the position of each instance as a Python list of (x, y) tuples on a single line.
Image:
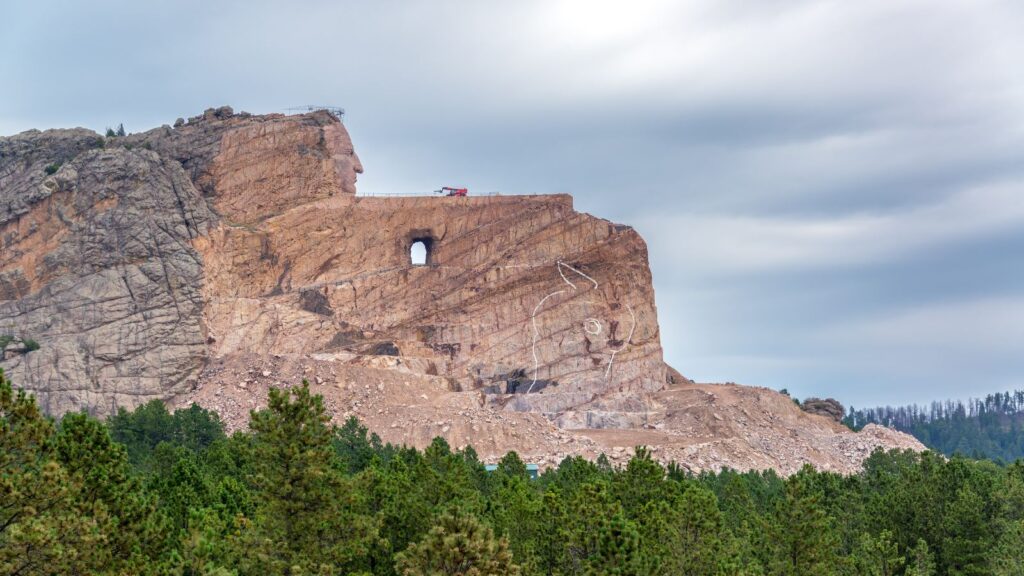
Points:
[(562, 274), (536, 334), (533, 318)]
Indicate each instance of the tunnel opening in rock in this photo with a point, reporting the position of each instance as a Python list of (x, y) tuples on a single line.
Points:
[(419, 251)]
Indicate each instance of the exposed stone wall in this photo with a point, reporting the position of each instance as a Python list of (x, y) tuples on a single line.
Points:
[(209, 261), (100, 271), (523, 294), (243, 234)]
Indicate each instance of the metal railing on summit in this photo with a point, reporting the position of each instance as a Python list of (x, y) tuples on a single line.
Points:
[(424, 194)]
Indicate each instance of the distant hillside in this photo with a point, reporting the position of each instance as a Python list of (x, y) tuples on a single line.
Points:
[(992, 427)]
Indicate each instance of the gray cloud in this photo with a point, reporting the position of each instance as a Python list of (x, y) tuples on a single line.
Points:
[(832, 192)]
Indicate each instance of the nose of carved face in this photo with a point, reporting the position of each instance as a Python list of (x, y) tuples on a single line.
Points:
[(346, 162), (349, 167)]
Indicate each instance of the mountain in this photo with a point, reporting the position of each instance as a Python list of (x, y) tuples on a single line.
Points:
[(209, 260), (991, 427)]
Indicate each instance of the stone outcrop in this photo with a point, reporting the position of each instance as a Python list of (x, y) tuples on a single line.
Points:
[(168, 264), (233, 234), (829, 408), (539, 307), (97, 267)]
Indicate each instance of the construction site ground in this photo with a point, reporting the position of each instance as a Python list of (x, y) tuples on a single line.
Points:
[(700, 426)]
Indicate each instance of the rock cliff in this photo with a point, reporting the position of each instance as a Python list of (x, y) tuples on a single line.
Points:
[(210, 260)]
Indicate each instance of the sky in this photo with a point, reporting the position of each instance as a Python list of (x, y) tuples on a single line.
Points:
[(832, 192)]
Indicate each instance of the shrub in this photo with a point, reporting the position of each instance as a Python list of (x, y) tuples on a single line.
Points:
[(52, 168)]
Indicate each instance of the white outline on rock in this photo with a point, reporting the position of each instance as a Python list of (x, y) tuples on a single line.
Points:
[(536, 334), (536, 331)]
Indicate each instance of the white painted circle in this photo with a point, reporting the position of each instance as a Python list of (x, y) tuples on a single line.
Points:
[(592, 326)]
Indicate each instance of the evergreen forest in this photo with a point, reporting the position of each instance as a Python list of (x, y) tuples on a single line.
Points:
[(156, 492)]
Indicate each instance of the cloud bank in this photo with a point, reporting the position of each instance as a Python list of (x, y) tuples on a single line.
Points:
[(832, 192)]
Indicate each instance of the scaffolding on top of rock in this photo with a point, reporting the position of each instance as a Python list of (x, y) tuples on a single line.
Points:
[(336, 111), (450, 191)]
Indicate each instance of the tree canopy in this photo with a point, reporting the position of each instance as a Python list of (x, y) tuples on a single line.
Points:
[(156, 492)]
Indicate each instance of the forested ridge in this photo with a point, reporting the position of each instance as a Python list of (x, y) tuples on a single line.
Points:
[(990, 427), (153, 492)]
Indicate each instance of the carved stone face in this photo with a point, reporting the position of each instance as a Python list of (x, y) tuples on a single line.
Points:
[(343, 154)]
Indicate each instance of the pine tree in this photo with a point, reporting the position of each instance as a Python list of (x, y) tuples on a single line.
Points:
[(514, 508), (1008, 557), (41, 530), (687, 536), (552, 533), (616, 550), (804, 539), (404, 511), (137, 532), (920, 561), (182, 490), (877, 555), (966, 547), (598, 538), (458, 545), (308, 517), (642, 481)]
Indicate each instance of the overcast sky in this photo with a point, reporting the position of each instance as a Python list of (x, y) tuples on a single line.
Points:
[(832, 192)]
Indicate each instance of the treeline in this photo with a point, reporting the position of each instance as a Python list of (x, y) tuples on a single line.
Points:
[(150, 492), (990, 427)]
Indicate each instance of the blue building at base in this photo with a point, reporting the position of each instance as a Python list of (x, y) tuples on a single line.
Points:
[(532, 469)]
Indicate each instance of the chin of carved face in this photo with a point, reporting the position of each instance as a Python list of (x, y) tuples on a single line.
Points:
[(348, 181)]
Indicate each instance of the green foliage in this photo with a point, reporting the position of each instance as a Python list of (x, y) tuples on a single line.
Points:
[(878, 555), (27, 344), (804, 542), (141, 430), (356, 446), (457, 545), (41, 530), (159, 492), (921, 562), (309, 517), (989, 427), (687, 536), (51, 169), (598, 538)]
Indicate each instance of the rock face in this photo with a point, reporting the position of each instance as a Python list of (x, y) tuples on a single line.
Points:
[(97, 267), (172, 263), (829, 408), (539, 307), (234, 234)]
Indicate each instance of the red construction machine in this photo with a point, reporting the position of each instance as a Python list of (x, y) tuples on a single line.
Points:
[(449, 191)]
